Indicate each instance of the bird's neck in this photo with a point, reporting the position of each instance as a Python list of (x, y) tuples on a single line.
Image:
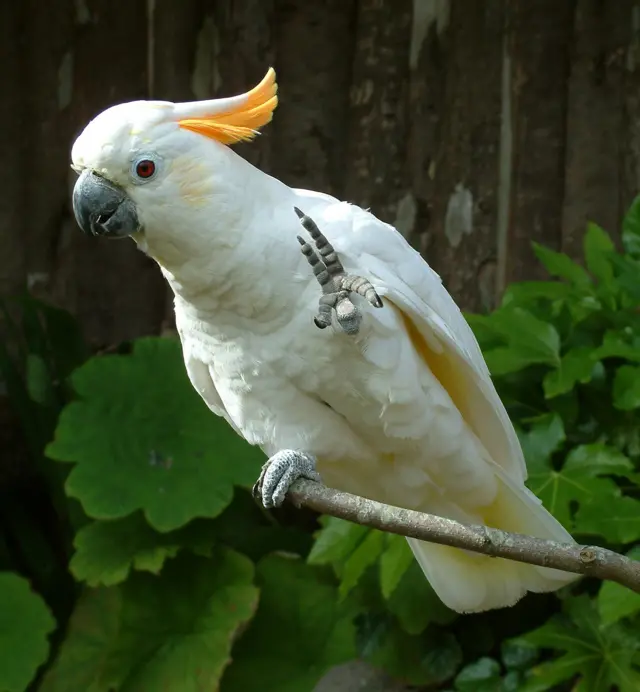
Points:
[(221, 254)]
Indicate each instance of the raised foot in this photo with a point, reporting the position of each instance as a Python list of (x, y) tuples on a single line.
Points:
[(280, 472), (336, 284)]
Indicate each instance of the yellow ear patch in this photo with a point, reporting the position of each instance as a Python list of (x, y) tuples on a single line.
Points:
[(239, 123)]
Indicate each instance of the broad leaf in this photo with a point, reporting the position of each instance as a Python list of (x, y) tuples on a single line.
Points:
[(427, 659), (416, 604), (559, 489), (618, 520), (349, 547), (616, 602), (562, 266), (631, 229), (595, 459), (336, 541), (298, 633), (106, 551), (544, 437), (142, 439), (526, 292), (575, 367), (533, 340), (172, 632), (365, 555), (598, 246), (626, 388), (600, 658), (619, 344), (25, 623), (481, 676), (394, 562)]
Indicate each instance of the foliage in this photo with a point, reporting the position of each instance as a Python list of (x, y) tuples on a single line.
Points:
[(145, 546)]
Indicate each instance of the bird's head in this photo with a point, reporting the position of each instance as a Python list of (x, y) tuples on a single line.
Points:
[(143, 161)]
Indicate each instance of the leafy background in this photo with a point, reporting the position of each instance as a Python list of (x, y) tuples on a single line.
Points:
[(132, 557)]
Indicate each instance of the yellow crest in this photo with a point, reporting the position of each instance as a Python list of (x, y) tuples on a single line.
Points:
[(235, 119)]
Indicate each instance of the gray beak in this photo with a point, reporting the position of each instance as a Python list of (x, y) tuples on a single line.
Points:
[(102, 208)]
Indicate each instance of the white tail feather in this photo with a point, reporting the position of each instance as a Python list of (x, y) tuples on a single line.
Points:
[(471, 582)]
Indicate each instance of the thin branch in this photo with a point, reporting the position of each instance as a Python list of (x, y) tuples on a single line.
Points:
[(579, 559)]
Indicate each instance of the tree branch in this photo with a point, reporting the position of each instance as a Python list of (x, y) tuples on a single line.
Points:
[(579, 559)]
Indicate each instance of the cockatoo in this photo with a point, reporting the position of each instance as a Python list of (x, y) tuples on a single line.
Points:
[(392, 401)]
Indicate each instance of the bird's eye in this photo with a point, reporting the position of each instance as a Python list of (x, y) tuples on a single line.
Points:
[(145, 168)]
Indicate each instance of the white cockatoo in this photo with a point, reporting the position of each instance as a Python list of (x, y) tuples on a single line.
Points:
[(393, 401)]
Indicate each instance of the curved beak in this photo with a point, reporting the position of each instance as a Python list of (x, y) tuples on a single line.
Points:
[(102, 208)]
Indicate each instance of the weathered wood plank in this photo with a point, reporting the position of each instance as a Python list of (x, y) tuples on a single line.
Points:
[(629, 186), (235, 49), (47, 88), (376, 170), (596, 135), (539, 37), (314, 49), (174, 34), (13, 168), (112, 287), (465, 192), (425, 116)]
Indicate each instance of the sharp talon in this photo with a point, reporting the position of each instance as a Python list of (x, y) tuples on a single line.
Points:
[(279, 474), (335, 283)]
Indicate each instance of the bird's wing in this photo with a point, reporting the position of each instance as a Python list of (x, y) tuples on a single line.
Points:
[(433, 321)]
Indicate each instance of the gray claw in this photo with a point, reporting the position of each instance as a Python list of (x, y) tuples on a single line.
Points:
[(336, 284), (280, 472)]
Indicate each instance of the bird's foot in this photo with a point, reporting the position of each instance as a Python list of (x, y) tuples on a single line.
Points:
[(279, 473), (336, 284)]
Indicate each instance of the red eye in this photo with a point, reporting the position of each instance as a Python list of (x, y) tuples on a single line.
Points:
[(145, 168)]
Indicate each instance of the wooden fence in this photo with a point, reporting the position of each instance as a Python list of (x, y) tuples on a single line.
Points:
[(476, 126)]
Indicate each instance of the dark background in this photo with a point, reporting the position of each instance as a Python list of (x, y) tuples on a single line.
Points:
[(476, 126)]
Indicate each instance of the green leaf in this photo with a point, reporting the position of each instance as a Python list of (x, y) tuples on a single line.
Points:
[(626, 388), (142, 439), (616, 602), (525, 292), (534, 340), (619, 344), (172, 632), (313, 631), (25, 623), (598, 246), (631, 229), (38, 380), (394, 562), (481, 676), (106, 551), (595, 459), (416, 604), (560, 489), (349, 547), (601, 657), (365, 555), (561, 265), (504, 360), (518, 654), (336, 541), (618, 522), (576, 366), (427, 659), (544, 437)]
